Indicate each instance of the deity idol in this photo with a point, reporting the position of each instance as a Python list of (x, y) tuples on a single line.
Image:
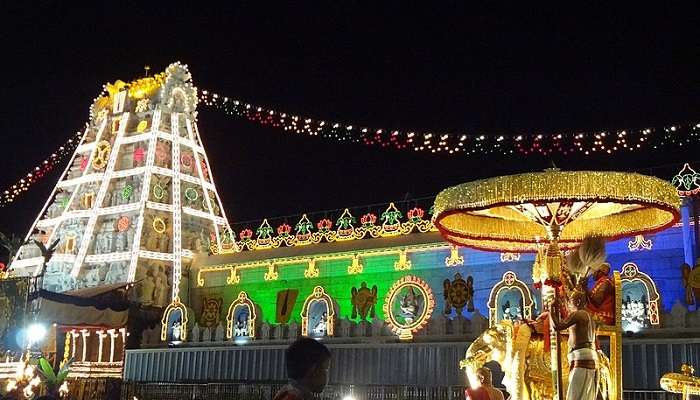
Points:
[(320, 328), (409, 306), (241, 328)]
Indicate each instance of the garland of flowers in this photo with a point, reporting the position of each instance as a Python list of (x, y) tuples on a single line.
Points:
[(10, 194), (564, 143)]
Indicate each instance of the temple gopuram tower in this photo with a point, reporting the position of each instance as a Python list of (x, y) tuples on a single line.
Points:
[(137, 200)]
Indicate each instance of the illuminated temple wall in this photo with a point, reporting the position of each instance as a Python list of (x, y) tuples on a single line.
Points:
[(662, 262), (430, 358)]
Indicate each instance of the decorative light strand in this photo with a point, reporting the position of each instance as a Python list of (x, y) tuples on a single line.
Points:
[(10, 194), (564, 143)]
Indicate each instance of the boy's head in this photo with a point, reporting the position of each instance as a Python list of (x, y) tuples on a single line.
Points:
[(308, 362), (484, 376)]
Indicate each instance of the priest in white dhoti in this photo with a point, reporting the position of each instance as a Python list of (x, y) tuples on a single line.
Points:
[(583, 357)]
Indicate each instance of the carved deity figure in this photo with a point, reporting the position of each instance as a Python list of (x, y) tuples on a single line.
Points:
[(109, 241), (409, 306), (113, 273), (92, 278), (148, 287), (162, 289), (120, 243), (163, 243)]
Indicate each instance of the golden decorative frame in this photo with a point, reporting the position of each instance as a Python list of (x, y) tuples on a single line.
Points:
[(405, 332), (243, 301), (318, 295), (510, 281), (631, 273)]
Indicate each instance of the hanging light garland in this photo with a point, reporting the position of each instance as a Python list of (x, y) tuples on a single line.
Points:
[(9, 194), (565, 143)]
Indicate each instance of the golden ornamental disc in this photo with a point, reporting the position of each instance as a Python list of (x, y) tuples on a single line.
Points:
[(101, 155), (514, 213)]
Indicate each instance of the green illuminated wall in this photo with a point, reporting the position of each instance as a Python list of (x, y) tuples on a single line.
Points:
[(428, 264)]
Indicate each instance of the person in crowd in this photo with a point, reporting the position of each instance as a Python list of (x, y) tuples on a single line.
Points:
[(308, 362), (485, 390)]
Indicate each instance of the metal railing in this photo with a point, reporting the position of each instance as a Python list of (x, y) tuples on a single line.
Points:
[(267, 390)]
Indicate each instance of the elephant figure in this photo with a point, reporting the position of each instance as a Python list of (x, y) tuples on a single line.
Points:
[(520, 350)]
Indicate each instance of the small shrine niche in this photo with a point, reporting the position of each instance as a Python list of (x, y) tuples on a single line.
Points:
[(318, 314), (640, 299), (174, 323), (240, 319), (510, 299)]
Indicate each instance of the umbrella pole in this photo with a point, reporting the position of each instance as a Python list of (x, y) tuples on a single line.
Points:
[(555, 352), (554, 264)]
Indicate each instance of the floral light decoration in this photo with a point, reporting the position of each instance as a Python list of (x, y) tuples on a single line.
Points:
[(368, 219), (139, 155), (305, 234), (415, 214), (324, 225), (284, 230), (246, 234), (687, 181)]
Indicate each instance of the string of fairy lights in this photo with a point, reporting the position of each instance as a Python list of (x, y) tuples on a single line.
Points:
[(564, 143), (9, 195), (603, 142)]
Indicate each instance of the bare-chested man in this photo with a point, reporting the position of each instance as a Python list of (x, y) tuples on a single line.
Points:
[(583, 378)]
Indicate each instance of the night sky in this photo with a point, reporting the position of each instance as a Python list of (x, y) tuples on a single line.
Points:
[(441, 68)]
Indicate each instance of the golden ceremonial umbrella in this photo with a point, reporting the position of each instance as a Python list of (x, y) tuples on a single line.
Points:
[(521, 213), (517, 212)]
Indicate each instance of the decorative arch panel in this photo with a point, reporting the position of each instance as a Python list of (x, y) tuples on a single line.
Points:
[(318, 314), (174, 322), (640, 299), (240, 318), (510, 299)]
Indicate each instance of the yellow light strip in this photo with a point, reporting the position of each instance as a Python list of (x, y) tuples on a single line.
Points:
[(401, 252)]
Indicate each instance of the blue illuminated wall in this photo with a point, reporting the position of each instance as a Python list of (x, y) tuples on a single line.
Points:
[(662, 263)]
